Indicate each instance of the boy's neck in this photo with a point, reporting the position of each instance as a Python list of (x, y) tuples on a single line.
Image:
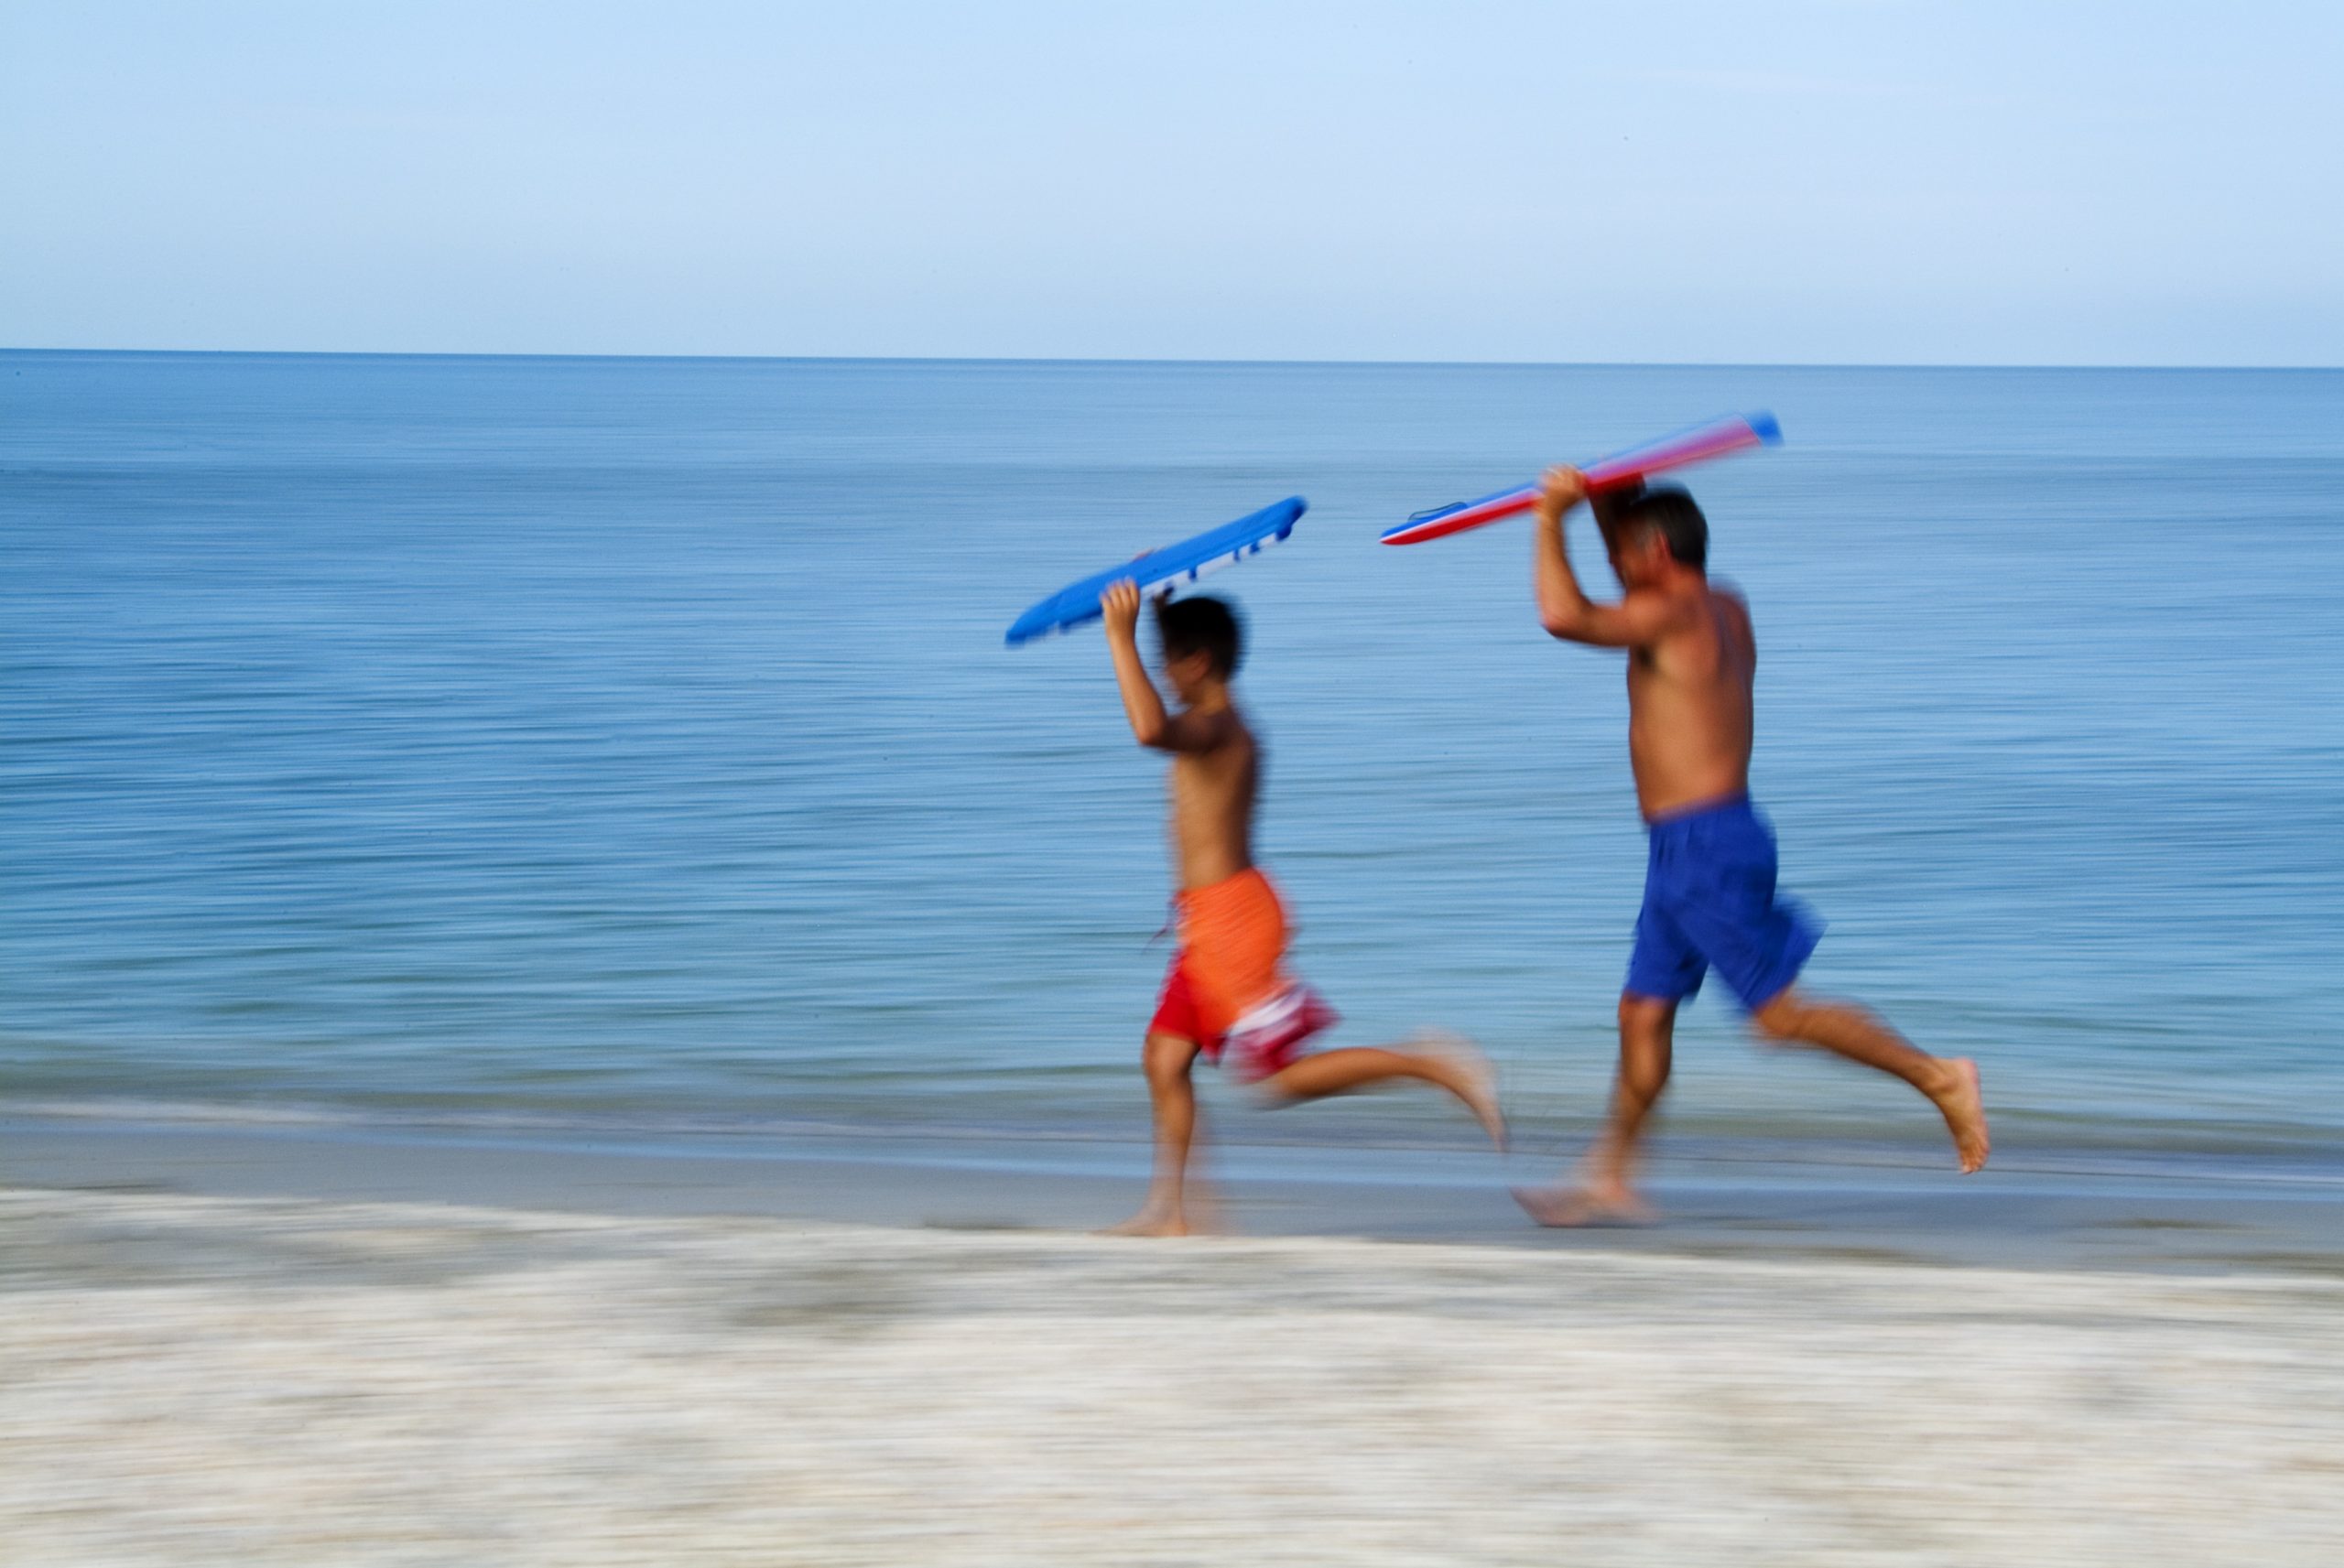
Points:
[(1211, 698)]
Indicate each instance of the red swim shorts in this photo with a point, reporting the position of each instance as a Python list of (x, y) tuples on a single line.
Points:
[(1262, 1040)]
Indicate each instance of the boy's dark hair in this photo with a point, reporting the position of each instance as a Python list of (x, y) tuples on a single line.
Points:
[(1670, 510), (1201, 625)]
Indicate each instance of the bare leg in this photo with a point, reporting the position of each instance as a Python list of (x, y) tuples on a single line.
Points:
[(1846, 1030), (1445, 1061), (1607, 1190), (1172, 1098)]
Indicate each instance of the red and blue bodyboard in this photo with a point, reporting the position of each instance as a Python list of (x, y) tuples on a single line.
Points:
[(1698, 444)]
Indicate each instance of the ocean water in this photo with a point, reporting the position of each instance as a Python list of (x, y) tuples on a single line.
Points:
[(631, 743)]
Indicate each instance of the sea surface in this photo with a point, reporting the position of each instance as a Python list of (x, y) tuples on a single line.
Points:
[(629, 746)]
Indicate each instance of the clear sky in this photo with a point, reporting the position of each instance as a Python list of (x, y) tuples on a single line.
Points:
[(1793, 180)]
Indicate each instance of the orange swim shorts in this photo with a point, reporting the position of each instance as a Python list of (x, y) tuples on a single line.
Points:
[(1227, 988)]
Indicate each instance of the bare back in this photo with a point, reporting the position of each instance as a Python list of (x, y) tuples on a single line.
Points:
[(1212, 792), (1689, 703)]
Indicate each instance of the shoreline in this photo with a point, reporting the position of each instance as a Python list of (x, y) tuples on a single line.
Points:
[(2027, 1138), (2109, 1218)]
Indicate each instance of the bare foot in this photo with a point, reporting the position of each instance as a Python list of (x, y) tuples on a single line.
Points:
[(1965, 1115), (1150, 1221), (1563, 1206), (1467, 1074)]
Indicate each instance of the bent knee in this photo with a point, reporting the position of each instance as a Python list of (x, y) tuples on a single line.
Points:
[(1271, 1094), (1782, 1017)]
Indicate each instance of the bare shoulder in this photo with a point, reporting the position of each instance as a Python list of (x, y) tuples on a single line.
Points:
[(1231, 733), (1656, 613)]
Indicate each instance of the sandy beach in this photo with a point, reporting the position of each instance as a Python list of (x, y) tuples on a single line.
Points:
[(193, 1379)]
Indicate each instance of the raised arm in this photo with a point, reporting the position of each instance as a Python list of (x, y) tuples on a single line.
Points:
[(1566, 611), (1151, 724)]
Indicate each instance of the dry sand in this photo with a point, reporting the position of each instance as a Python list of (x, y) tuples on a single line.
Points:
[(190, 1380)]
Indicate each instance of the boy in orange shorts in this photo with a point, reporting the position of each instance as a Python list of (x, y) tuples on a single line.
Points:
[(1228, 993)]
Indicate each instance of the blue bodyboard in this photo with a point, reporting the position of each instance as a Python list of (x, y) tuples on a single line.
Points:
[(1159, 572)]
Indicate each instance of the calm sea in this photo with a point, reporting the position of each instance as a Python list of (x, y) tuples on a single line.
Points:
[(631, 743)]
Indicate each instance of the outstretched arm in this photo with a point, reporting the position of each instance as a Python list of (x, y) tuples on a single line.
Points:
[(1563, 609), (1151, 725)]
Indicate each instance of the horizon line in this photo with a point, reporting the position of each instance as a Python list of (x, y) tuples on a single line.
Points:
[(1171, 360)]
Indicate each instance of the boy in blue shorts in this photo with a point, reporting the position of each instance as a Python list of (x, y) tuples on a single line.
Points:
[(1709, 899)]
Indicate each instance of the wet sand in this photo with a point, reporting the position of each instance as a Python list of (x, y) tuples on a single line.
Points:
[(192, 1379), (2023, 1212)]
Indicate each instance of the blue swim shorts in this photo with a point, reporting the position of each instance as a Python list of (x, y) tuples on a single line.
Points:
[(1709, 899)]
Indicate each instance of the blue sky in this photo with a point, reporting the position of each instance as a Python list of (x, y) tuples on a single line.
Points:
[(1800, 180)]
